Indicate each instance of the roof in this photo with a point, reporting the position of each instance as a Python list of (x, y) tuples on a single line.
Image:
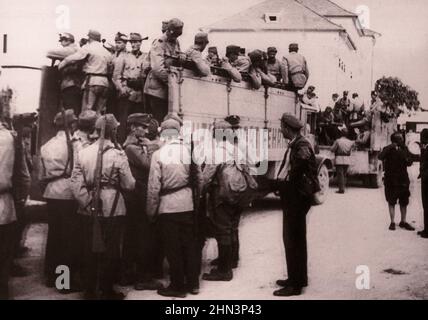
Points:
[(291, 15), (327, 8)]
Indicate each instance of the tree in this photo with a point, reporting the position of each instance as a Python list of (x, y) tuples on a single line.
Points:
[(394, 94)]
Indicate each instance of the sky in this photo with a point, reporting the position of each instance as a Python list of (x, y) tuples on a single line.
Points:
[(33, 27)]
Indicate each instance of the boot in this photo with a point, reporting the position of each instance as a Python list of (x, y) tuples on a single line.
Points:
[(224, 270)]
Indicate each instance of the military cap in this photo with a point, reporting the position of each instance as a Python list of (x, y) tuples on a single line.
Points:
[(233, 120), (121, 37), (164, 26), (134, 36), (170, 124), (424, 136), (94, 35), (66, 36), (222, 125), (293, 46), (256, 55), (175, 24), (175, 117), (271, 49), (201, 37), (69, 116), (213, 50), (87, 119), (110, 122), (232, 49), (139, 119), (291, 121)]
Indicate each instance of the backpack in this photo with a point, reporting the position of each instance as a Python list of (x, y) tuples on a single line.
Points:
[(236, 185)]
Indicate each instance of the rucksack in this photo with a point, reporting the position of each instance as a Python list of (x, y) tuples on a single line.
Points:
[(236, 185)]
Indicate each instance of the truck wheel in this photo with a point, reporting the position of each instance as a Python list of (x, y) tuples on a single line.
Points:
[(376, 180), (324, 182)]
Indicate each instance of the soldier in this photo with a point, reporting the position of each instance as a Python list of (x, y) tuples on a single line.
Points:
[(423, 175), (97, 68), (164, 26), (194, 53), (56, 164), (342, 149), (212, 57), (296, 183), (14, 188), (230, 61), (156, 85), (120, 41), (256, 71), (128, 77), (85, 127), (139, 243), (276, 67), (174, 182), (296, 67), (72, 77), (99, 267)]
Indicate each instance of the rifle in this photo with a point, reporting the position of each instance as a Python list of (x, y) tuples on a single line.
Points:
[(98, 245), (67, 137), (194, 184)]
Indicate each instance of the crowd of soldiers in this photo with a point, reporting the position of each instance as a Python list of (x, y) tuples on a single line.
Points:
[(115, 209)]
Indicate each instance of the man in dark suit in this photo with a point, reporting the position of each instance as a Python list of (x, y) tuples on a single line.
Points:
[(297, 182), (424, 180)]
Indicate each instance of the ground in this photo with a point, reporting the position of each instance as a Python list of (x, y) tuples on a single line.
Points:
[(345, 232)]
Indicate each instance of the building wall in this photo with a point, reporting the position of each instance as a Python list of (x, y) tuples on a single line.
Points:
[(323, 51)]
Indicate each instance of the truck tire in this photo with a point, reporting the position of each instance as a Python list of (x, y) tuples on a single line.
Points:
[(324, 182)]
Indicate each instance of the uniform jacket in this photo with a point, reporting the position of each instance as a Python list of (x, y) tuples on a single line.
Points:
[(54, 159), (169, 170), (396, 160), (116, 174), (296, 67), (98, 61), (202, 65), (14, 176), (278, 70), (342, 148), (69, 79), (130, 66), (157, 79)]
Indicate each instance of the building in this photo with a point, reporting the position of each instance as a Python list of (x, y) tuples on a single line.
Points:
[(338, 49)]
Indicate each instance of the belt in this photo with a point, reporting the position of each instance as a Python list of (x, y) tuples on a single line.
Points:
[(165, 192), (297, 72), (5, 191), (97, 75)]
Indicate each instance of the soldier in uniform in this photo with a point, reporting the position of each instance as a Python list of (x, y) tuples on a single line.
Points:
[(212, 57), (423, 175), (276, 67), (71, 82), (97, 69), (85, 128), (296, 68), (194, 54), (128, 77), (296, 183), (56, 164), (139, 243), (14, 188), (116, 177), (258, 75), (156, 85), (173, 180), (230, 63)]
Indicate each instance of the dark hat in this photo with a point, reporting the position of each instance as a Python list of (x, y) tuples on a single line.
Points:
[(69, 116), (233, 120), (175, 24), (87, 119), (170, 124), (293, 46), (94, 35), (164, 26), (121, 37), (201, 37), (291, 121), (66, 36), (272, 49), (139, 119), (110, 123), (175, 117), (232, 49), (213, 50), (134, 36), (255, 55), (424, 136)]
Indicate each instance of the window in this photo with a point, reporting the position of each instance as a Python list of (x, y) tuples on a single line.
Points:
[(271, 18), (5, 43)]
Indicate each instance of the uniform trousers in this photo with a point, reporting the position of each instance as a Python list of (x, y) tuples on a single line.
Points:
[(7, 235), (95, 98), (424, 189), (72, 99), (156, 106)]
